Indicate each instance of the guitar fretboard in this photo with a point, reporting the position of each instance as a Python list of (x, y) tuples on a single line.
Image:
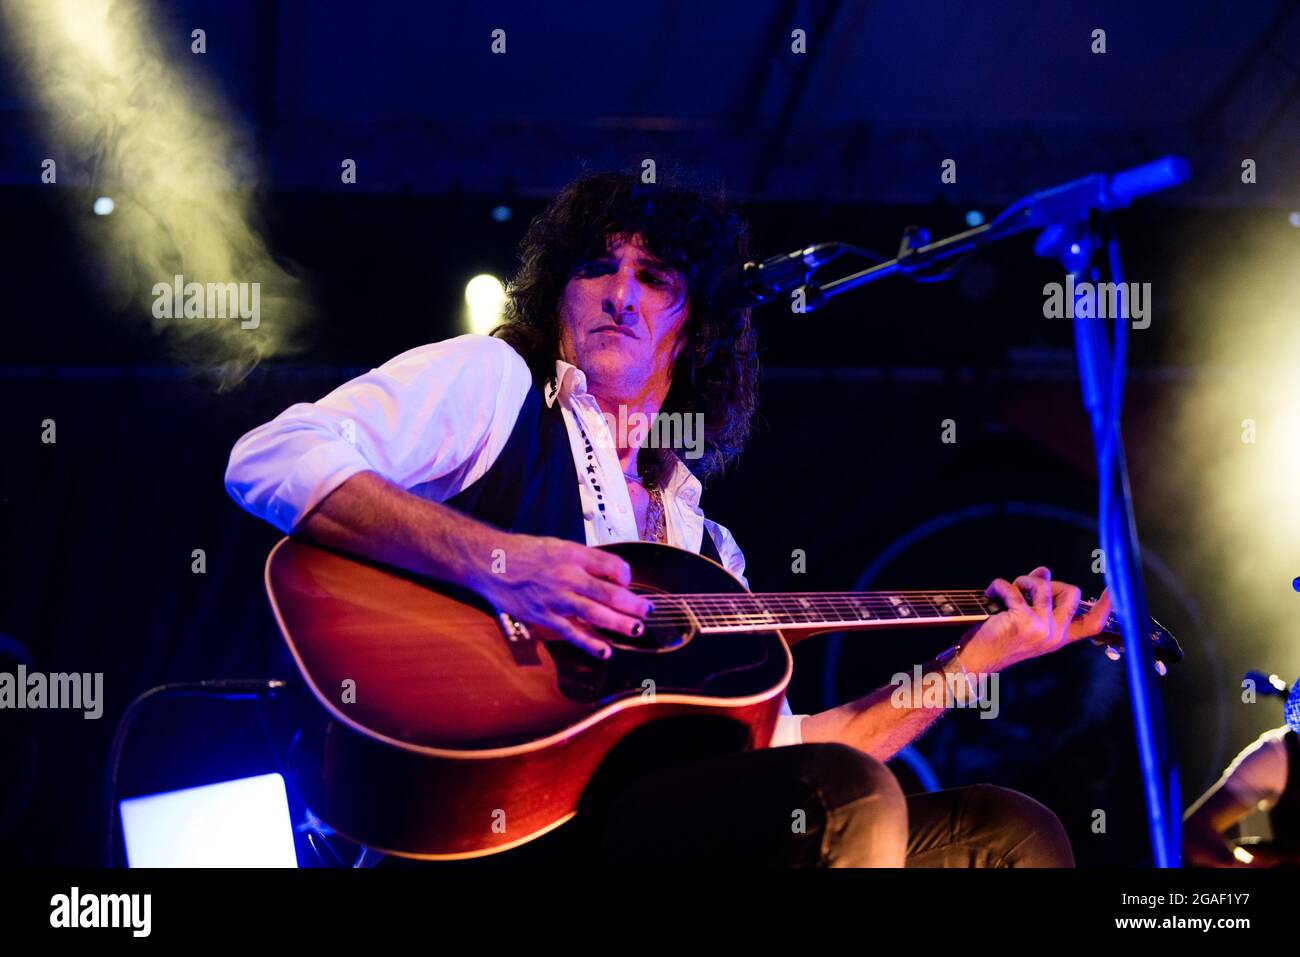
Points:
[(748, 611)]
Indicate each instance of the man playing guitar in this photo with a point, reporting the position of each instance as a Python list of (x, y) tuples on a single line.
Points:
[(421, 463), (1263, 777)]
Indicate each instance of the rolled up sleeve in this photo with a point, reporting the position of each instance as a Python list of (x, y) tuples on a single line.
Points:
[(440, 411), (789, 727)]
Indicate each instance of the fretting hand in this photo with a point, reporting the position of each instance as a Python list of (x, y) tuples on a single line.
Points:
[(1030, 628)]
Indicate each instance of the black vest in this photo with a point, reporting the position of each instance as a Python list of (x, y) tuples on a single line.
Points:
[(1285, 816), (532, 487)]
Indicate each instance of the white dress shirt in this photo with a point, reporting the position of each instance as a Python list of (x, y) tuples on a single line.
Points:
[(433, 420)]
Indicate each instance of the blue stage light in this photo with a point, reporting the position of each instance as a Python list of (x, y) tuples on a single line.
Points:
[(974, 218), (502, 213)]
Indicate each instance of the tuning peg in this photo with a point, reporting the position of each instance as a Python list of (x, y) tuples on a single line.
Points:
[(1112, 653), (1161, 668)]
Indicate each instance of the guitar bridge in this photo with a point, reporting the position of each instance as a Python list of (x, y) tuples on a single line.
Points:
[(513, 630), (519, 640)]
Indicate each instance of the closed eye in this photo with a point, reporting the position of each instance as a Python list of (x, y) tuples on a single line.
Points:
[(592, 269), (602, 267)]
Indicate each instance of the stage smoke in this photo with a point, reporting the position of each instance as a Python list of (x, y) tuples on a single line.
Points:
[(126, 117)]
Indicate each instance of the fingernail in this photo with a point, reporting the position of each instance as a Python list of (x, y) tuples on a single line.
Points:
[(649, 607), (637, 629)]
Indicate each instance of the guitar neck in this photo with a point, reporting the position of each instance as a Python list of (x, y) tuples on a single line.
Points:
[(825, 611), (801, 614)]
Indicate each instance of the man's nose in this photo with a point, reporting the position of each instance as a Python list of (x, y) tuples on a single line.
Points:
[(623, 299)]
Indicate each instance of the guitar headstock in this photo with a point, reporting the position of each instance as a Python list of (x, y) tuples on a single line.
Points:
[(1164, 647)]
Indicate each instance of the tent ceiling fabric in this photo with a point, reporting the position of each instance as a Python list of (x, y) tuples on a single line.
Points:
[(885, 92)]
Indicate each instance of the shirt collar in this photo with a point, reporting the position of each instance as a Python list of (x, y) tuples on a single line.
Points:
[(682, 483), (571, 381)]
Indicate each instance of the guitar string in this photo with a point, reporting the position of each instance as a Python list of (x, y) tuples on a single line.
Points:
[(800, 606), (811, 601), (757, 624), (724, 610)]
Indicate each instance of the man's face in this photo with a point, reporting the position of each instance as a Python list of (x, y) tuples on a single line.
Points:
[(620, 320)]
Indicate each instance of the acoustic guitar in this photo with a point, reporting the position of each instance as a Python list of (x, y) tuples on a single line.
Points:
[(438, 728)]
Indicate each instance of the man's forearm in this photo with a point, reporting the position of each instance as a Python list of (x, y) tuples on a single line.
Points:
[(1206, 823), (880, 723), (873, 724), (369, 516)]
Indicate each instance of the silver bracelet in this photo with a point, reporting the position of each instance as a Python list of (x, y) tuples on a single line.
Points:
[(954, 654)]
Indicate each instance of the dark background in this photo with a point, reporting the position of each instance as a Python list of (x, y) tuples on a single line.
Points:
[(847, 463)]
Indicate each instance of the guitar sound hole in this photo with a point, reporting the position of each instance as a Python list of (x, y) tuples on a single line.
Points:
[(662, 633)]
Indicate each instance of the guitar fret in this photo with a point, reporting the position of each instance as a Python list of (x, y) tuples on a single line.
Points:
[(900, 607), (805, 608)]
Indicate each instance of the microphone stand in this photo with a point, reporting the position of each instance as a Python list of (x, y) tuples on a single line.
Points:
[(1075, 228)]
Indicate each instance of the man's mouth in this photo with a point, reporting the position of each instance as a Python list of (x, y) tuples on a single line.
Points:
[(624, 330)]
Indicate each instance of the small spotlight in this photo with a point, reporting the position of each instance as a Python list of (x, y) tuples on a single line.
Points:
[(502, 214), (1075, 248), (484, 297), (974, 218), (1294, 218), (103, 206)]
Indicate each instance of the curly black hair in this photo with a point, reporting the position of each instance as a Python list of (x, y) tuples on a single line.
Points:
[(716, 372)]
